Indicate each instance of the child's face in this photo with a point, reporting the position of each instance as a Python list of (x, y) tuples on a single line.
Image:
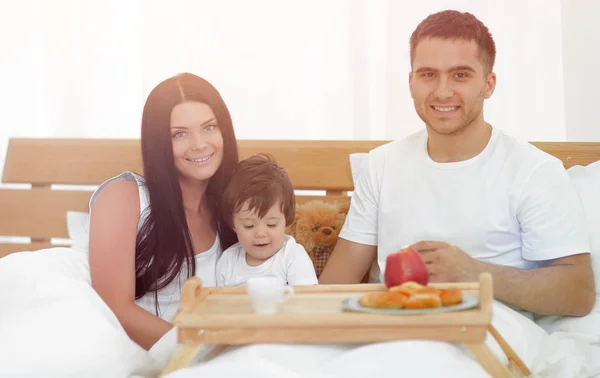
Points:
[(260, 238)]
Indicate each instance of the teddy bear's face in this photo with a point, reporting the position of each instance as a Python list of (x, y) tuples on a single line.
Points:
[(319, 226)]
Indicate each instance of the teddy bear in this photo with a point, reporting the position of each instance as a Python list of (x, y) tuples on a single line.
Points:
[(316, 227)]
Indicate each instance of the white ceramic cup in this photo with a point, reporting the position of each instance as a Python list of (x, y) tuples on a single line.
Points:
[(266, 293)]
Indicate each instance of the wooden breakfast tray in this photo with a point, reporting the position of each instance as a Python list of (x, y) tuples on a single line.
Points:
[(314, 316)]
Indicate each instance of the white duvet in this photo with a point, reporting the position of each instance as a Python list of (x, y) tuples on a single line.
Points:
[(53, 324)]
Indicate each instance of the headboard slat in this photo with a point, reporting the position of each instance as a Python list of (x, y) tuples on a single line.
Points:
[(572, 153), (8, 248), (312, 165), (40, 213)]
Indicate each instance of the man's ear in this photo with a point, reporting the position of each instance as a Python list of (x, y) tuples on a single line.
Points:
[(490, 85)]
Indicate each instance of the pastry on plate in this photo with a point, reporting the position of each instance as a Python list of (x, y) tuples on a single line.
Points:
[(384, 300), (451, 297), (410, 288), (407, 288), (423, 300)]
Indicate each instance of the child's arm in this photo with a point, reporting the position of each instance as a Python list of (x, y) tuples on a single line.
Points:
[(300, 269)]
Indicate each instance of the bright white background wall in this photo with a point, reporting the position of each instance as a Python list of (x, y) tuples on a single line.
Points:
[(581, 57), (316, 69)]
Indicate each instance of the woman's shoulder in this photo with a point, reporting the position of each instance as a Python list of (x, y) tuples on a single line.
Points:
[(126, 176), (124, 186)]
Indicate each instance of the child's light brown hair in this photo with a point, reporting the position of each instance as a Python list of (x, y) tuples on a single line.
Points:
[(261, 183)]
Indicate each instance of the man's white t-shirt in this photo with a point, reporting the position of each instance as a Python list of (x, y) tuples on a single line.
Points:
[(291, 264), (511, 205)]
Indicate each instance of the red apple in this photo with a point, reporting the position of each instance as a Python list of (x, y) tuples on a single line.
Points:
[(403, 266)]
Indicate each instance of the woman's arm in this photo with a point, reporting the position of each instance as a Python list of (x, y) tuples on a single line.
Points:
[(113, 229)]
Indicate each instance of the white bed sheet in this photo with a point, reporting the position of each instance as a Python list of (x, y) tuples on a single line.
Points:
[(53, 324)]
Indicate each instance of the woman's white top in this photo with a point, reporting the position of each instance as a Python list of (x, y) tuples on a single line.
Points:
[(169, 296)]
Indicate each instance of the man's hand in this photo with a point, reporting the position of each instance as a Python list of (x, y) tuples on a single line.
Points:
[(447, 263)]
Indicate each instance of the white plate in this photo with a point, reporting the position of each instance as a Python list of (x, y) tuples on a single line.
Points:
[(351, 304)]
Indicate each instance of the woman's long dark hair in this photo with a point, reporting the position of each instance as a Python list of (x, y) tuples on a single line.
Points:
[(163, 243)]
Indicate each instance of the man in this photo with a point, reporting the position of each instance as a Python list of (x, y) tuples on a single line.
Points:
[(468, 197)]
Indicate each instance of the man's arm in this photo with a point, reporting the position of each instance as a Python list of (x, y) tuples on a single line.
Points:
[(565, 286), (356, 247), (553, 233), (348, 263)]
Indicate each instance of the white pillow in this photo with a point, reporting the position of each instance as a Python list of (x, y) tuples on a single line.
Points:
[(53, 323), (78, 228), (587, 182)]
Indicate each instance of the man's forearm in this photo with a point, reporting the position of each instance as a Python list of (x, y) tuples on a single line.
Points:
[(552, 290), (348, 263)]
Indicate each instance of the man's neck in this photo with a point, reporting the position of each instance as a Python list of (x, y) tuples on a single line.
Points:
[(460, 146)]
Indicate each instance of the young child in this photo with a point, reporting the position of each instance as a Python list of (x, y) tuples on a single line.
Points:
[(258, 204)]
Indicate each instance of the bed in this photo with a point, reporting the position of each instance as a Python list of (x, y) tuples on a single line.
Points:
[(52, 323)]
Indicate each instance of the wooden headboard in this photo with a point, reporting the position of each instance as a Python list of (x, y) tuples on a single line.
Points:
[(39, 213)]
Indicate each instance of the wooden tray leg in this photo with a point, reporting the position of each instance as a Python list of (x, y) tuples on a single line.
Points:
[(515, 364), (192, 294), (515, 369), (182, 358), (488, 360)]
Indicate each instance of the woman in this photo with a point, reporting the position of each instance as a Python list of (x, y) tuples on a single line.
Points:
[(148, 234)]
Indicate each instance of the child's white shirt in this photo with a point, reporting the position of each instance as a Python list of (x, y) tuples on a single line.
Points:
[(291, 264)]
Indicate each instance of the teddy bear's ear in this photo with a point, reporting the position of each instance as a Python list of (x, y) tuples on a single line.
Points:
[(291, 228), (343, 207)]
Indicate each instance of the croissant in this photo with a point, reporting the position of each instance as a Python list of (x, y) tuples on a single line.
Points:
[(408, 288), (423, 300), (411, 288), (451, 297), (389, 300)]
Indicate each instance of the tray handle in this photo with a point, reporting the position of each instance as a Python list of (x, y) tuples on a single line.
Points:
[(192, 294), (486, 293)]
